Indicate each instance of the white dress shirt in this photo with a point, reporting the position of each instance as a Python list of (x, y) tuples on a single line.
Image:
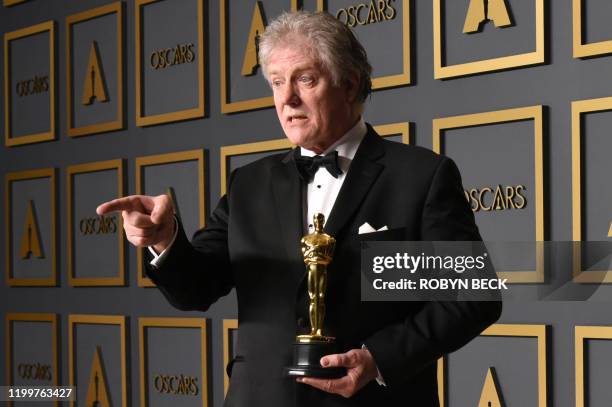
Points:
[(322, 191)]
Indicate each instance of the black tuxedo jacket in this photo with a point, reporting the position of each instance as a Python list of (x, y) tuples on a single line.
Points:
[(252, 243)]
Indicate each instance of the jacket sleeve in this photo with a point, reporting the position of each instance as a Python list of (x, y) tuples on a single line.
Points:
[(195, 274), (402, 350)]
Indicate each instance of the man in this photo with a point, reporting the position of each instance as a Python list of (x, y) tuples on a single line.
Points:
[(320, 78)]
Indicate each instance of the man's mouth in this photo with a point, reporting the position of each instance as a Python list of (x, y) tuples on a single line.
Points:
[(296, 118)]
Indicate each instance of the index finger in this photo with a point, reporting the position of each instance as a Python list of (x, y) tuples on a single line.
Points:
[(119, 204)]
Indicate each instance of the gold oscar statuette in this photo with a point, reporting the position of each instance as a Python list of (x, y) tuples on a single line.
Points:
[(318, 251)]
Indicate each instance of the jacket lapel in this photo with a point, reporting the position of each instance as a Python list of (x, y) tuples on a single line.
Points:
[(362, 173), (287, 191)]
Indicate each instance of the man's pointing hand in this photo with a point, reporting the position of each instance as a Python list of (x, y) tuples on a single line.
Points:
[(147, 220)]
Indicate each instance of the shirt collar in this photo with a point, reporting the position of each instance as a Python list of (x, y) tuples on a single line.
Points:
[(346, 145)]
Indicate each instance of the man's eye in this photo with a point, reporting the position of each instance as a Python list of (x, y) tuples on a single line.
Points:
[(276, 83), (308, 80)]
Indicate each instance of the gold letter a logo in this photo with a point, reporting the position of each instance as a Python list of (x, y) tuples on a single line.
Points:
[(258, 25), (94, 86), (30, 241), (490, 396), (480, 11), (610, 231), (97, 392)]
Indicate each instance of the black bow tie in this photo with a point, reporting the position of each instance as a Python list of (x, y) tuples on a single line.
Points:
[(308, 166)]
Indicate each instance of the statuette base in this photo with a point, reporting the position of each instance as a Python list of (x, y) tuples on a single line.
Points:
[(307, 353), (315, 339)]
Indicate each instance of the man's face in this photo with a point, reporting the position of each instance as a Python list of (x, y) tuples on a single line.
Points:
[(312, 111)]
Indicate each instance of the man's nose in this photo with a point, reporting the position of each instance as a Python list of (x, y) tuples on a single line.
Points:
[(290, 95)]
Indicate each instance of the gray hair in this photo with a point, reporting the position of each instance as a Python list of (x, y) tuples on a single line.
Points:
[(333, 44)]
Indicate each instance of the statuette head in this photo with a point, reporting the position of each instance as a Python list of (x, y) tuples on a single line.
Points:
[(318, 221)]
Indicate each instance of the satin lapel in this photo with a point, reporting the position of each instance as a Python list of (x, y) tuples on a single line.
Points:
[(362, 173), (287, 191)]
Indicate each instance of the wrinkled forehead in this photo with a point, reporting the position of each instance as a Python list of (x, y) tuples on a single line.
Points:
[(290, 57), (293, 42)]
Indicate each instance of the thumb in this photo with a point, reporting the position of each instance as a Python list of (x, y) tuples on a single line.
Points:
[(348, 359), (332, 360), (162, 207)]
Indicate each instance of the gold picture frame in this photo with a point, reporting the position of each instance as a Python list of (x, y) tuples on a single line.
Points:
[(241, 105), (226, 152), (12, 36), (9, 3), (400, 79), (536, 114), (50, 173), (112, 8), (155, 322), (120, 320), (402, 129), (540, 332), (141, 163), (580, 48), (579, 108), (228, 325), (30, 317), (248, 148), (582, 334), (71, 171), (442, 71), (193, 113)]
